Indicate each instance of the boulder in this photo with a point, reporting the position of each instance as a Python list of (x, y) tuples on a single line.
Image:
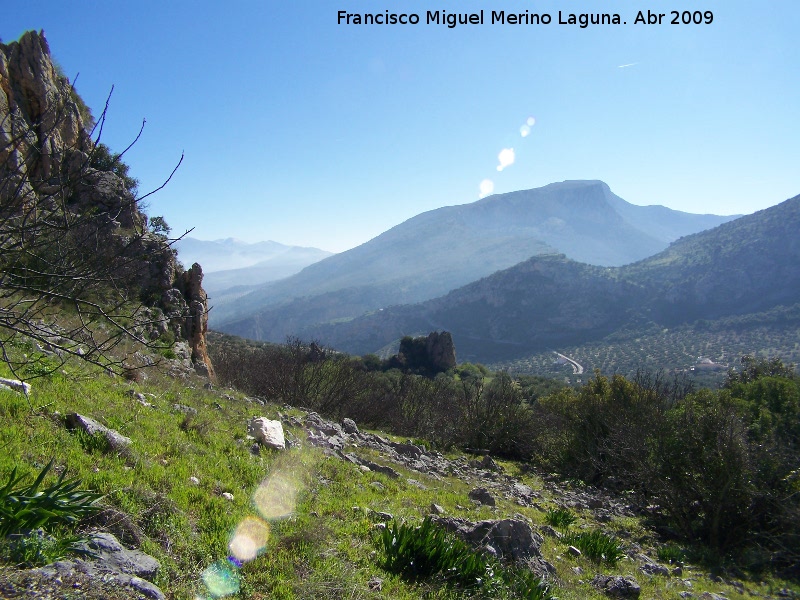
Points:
[(110, 560), (16, 385), (483, 496), (116, 440), (512, 539), (267, 432), (616, 586)]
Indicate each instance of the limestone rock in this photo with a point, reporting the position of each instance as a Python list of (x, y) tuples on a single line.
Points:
[(16, 385), (111, 560), (617, 587), (116, 440), (483, 496), (267, 432), (46, 152)]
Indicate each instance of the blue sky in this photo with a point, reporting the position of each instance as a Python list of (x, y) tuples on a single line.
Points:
[(306, 132)]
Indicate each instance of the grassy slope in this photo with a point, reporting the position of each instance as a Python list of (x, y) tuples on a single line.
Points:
[(325, 549)]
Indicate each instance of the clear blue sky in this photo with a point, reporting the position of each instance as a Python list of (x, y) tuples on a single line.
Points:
[(306, 132)]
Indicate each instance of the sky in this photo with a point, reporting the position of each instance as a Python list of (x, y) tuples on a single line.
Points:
[(302, 130)]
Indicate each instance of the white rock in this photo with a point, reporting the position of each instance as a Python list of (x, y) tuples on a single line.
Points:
[(268, 433), (227, 496), (17, 385)]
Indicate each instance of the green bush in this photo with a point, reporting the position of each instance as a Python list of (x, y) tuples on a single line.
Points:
[(596, 545), (427, 551), (24, 508), (560, 517)]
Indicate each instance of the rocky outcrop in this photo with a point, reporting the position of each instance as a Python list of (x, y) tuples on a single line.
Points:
[(51, 167), (425, 355), (106, 560), (197, 319)]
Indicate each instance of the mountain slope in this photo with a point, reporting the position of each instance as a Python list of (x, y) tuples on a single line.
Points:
[(747, 265), (442, 249)]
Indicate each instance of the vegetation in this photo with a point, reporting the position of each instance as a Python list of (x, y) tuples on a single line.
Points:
[(427, 551)]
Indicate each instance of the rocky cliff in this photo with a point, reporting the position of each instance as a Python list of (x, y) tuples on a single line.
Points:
[(69, 214)]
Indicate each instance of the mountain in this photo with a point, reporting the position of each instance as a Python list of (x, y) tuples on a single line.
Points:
[(232, 254), (442, 249), (748, 265)]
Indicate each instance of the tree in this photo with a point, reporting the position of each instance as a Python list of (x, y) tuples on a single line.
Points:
[(75, 249)]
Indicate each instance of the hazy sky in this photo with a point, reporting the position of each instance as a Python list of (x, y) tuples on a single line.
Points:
[(304, 131)]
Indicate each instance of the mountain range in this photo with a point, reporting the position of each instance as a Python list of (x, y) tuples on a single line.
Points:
[(748, 265), (229, 263), (444, 249)]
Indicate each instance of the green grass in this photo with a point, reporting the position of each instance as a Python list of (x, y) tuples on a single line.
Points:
[(321, 544)]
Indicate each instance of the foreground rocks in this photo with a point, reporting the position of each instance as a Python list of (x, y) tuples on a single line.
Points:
[(110, 562)]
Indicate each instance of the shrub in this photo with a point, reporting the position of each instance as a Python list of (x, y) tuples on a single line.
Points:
[(27, 507), (596, 545), (428, 551), (560, 517)]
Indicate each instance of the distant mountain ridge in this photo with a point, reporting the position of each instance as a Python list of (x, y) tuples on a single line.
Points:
[(745, 266), (446, 248), (230, 262)]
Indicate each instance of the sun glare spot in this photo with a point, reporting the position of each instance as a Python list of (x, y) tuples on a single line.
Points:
[(221, 579), (530, 122), (524, 131), (505, 158), (276, 497), (486, 187), (249, 539)]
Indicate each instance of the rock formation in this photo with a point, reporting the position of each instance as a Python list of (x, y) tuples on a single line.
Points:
[(49, 165), (426, 355)]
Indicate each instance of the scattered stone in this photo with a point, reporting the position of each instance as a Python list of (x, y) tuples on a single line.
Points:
[(577, 570), (677, 571), (573, 551), (483, 496), (194, 480), (417, 484), (116, 440), (16, 385), (383, 516), (227, 496), (654, 569), (436, 509), (550, 532), (267, 432), (375, 584), (349, 426), (377, 485), (712, 596), (616, 586)]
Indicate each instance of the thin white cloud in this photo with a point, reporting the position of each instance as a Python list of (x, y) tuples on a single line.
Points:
[(628, 65)]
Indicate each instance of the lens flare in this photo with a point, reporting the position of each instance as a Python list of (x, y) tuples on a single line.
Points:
[(486, 187), (221, 579), (524, 131), (249, 539), (530, 122), (276, 497), (505, 158)]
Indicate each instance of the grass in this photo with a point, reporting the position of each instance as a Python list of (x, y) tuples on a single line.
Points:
[(317, 542), (596, 545)]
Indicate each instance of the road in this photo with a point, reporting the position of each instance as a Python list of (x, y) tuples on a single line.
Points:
[(577, 369)]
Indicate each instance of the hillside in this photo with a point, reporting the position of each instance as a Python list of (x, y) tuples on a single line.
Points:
[(745, 266), (440, 250)]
